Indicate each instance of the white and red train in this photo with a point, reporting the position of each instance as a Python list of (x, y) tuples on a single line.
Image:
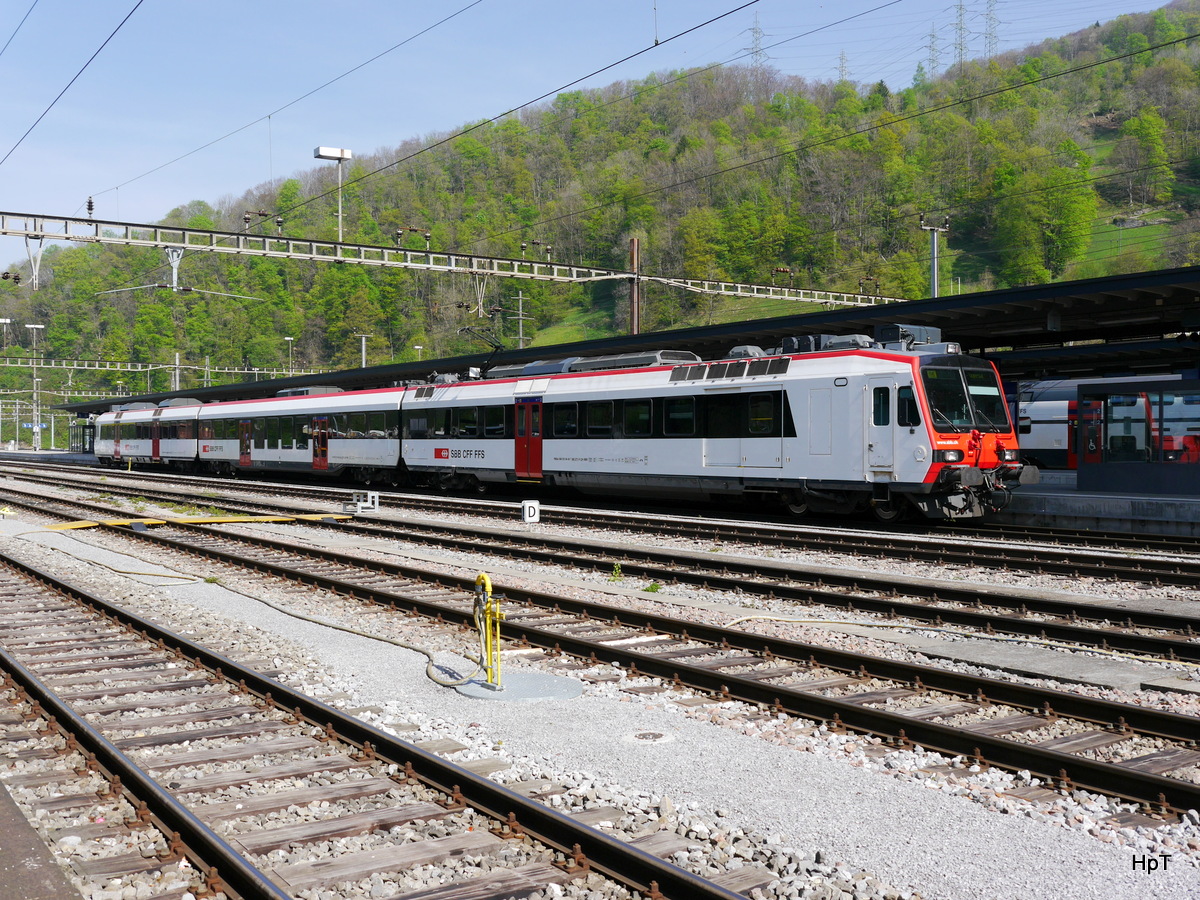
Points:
[(1150, 420), (833, 424)]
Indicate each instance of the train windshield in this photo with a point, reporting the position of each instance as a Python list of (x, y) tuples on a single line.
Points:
[(965, 399)]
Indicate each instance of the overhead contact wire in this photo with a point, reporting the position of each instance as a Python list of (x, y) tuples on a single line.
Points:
[(46, 111)]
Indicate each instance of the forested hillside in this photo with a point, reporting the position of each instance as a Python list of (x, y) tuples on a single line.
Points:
[(1051, 164)]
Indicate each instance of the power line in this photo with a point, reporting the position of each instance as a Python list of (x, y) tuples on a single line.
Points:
[(657, 43), (46, 111), (18, 28), (291, 103), (799, 148)]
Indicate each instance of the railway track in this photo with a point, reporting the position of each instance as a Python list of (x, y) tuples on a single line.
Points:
[(1151, 558), (1119, 749), (899, 599), (211, 753)]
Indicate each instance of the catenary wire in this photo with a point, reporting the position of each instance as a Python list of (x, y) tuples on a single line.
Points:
[(291, 103), (46, 111), (18, 28)]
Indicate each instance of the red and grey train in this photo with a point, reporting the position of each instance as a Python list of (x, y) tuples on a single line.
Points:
[(1150, 420), (827, 423)]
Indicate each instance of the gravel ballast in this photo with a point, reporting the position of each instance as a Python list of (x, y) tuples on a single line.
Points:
[(920, 834)]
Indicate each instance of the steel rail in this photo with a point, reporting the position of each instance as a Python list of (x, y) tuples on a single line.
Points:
[(206, 847), (732, 574), (606, 853), (795, 533), (1067, 768)]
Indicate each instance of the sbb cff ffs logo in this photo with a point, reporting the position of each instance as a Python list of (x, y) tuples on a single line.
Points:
[(447, 453)]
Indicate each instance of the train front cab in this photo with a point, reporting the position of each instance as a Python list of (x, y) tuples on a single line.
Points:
[(975, 461)]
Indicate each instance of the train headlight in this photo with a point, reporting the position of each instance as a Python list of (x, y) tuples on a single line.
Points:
[(948, 456), (1009, 455)]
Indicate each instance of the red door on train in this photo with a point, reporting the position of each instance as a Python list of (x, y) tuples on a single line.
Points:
[(155, 439), (320, 443), (528, 456), (245, 441)]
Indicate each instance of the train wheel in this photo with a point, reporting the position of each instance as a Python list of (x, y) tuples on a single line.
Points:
[(895, 510), (795, 503)]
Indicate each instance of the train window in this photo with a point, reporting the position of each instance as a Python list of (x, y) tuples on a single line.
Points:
[(521, 421), (735, 370), (908, 414), (763, 410), (357, 425), (260, 434), (273, 433), (679, 416), (758, 367), (337, 425), (1122, 400), (376, 425), (696, 373), (599, 418), (466, 422), (723, 416), (438, 420), (679, 373), (565, 422), (535, 419), (286, 429), (300, 433), (416, 425), (1190, 399), (991, 412), (881, 403), (391, 420), (779, 366), (496, 421), (636, 419)]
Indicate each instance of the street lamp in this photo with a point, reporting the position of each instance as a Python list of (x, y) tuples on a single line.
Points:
[(335, 153), (290, 341), (5, 323), (364, 348), (33, 335), (418, 348)]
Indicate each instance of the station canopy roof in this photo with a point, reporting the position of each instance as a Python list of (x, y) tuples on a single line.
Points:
[(1144, 323)]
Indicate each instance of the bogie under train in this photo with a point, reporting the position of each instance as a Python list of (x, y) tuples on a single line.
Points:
[(832, 424)]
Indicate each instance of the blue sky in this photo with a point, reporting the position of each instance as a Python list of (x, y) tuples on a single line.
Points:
[(177, 76)]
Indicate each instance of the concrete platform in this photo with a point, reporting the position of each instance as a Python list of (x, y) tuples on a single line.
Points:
[(523, 687), (1056, 503), (49, 456), (27, 870)]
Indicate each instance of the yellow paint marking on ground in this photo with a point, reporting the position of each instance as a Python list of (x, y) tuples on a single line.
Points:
[(227, 520), (67, 526)]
